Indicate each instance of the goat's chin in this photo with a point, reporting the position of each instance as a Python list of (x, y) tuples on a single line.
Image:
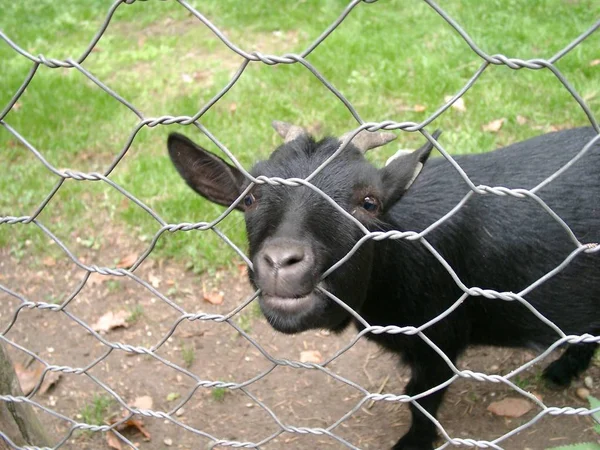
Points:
[(294, 315)]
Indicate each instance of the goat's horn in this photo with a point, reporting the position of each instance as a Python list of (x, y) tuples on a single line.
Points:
[(366, 140), (288, 131)]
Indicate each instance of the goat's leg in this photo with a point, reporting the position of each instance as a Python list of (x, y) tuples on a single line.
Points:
[(429, 371)]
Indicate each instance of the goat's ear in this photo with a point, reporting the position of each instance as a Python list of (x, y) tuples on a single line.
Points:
[(402, 170), (205, 173)]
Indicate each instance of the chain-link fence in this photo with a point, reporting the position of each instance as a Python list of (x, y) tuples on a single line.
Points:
[(185, 316)]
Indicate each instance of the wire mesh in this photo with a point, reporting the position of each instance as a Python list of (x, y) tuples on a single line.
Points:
[(165, 227)]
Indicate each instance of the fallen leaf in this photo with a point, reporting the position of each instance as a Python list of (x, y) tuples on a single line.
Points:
[(127, 261), (111, 320), (113, 441), (154, 281), (16, 106), (138, 425), (510, 407), (311, 356), (242, 271), (419, 108), (49, 261), (143, 402), (50, 380), (97, 279), (521, 120), (459, 104), (97, 49), (594, 62), (494, 126), (29, 378), (232, 107), (214, 297), (130, 423)]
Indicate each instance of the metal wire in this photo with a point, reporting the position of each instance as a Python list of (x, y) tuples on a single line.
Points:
[(164, 226)]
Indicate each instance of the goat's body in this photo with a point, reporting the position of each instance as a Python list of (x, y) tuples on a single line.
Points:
[(499, 243), (506, 243)]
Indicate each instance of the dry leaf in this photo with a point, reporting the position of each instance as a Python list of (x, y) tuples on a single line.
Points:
[(311, 356), (28, 378), (419, 108), (521, 120), (130, 423), (214, 297), (494, 126), (127, 261), (154, 281), (459, 104), (97, 279), (113, 441), (232, 107), (594, 62), (50, 380), (138, 425), (143, 402), (16, 106), (242, 271), (49, 261), (111, 320), (510, 407)]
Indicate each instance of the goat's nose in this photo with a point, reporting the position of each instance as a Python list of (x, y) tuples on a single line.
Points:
[(285, 268), (283, 257)]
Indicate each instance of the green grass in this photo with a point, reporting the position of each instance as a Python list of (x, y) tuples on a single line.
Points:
[(593, 404), (246, 318), (385, 58), (218, 394), (135, 313), (188, 354), (96, 412)]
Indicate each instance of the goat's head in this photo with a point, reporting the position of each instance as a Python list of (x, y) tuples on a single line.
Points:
[(295, 234)]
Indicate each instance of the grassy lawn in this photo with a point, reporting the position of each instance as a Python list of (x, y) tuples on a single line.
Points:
[(394, 60)]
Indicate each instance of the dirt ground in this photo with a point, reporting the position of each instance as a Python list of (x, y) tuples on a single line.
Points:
[(216, 351)]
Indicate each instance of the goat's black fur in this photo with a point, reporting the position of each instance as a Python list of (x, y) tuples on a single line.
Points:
[(494, 242)]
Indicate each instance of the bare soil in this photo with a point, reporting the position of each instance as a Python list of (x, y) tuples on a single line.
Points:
[(218, 352)]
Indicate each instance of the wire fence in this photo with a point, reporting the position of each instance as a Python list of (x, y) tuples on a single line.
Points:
[(164, 227)]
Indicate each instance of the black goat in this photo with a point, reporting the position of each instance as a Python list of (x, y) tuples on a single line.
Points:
[(493, 242)]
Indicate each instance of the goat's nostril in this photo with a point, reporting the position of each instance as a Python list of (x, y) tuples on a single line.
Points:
[(267, 259), (291, 258), (282, 257)]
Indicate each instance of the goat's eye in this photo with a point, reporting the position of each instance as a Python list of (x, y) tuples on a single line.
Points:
[(370, 204), (249, 200)]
